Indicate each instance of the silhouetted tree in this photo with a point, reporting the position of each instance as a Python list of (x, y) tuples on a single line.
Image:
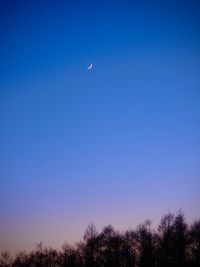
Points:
[(5, 260), (146, 245), (173, 240), (194, 235), (174, 244), (166, 248), (180, 239), (70, 256), (91, 246), (21, 260), (129, 249)]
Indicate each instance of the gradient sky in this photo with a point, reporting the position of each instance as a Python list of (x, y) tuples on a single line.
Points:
[(116, 144)]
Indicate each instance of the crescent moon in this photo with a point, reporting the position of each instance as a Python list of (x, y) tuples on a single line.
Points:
[(91, 65)]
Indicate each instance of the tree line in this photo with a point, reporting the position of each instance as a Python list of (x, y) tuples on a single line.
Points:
[(174, 243)]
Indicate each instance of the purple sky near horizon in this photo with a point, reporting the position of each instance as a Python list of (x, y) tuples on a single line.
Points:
[(116, 144)]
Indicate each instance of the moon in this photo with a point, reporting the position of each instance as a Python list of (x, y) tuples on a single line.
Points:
[(91, 65)]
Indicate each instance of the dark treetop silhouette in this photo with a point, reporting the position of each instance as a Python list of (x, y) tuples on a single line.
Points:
[(173, 244)]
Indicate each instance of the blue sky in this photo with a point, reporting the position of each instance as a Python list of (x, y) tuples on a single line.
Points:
[(116, 144)]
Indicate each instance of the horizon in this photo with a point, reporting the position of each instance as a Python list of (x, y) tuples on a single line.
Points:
[(115, 144), (75, 243)]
